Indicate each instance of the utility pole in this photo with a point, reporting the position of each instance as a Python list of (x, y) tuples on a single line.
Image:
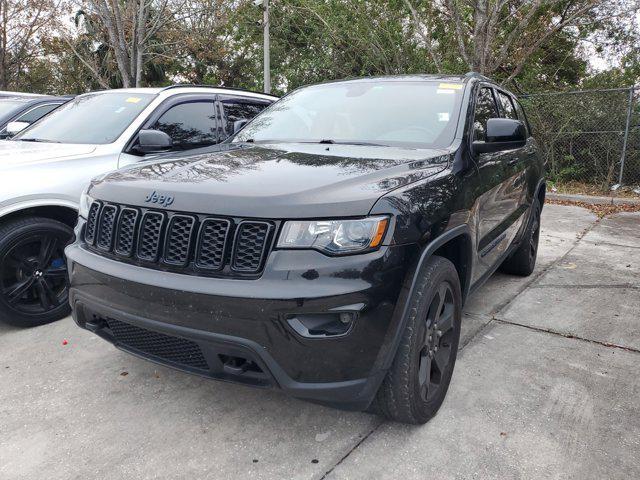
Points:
[(267, 55)]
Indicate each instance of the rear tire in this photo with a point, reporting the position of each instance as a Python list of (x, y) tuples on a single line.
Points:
[(34, 285), (417, 382), (522, 261)]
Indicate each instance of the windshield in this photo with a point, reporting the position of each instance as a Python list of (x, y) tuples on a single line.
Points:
[(421, 114), (8, 106), (96, 118)]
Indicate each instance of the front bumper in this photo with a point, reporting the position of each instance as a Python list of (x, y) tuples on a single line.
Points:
[(197, 324)]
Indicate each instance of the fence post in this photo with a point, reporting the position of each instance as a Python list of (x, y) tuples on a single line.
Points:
[(626, 134)]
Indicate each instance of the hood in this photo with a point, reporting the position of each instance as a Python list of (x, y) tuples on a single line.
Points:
[(16, 154), (272, 181)]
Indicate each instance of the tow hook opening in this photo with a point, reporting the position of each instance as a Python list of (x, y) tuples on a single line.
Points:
[(238, 365)]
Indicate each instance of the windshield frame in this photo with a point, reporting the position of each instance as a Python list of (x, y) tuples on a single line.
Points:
[(456, 123), (134, 122)]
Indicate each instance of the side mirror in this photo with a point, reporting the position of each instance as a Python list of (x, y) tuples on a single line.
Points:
[(502, 134), (238, 124), (153, 141), (15, 127)]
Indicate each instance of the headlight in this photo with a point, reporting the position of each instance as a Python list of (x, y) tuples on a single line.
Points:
[(85, 204), (334, 237)]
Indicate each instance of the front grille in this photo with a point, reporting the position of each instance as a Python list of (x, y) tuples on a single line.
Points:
[(175, 241), (163, 347)]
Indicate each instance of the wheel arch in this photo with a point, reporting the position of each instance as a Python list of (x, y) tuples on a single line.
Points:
[(453, 244), (65, 212)]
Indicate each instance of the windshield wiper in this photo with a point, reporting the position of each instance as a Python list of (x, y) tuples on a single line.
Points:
[(39, 140), (339, 142)]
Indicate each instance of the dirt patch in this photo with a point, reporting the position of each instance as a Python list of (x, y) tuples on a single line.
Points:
[(580, 188), (601, 210)]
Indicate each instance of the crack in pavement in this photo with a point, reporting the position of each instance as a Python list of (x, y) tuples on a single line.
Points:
[(594, 243), (328, 472), (589, 286), (567, 335)]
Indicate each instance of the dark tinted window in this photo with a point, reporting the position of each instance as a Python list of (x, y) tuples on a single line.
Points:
[(508, 109), (37, 113), (485, 109), (238, 109), (521, 116), (189, 125)]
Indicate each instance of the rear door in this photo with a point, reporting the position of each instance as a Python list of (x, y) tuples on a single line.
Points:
[(516, 165)]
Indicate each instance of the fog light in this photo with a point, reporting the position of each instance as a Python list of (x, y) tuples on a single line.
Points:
[(346, 317)]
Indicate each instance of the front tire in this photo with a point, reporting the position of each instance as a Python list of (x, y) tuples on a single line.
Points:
[(417, 382), (34, 285)]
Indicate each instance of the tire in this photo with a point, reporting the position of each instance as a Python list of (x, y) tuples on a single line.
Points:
[(34, 285), (522, 261), (417, 382)]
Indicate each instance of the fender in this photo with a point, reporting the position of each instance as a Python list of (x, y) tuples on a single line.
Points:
[(38, 202), (427, 252)]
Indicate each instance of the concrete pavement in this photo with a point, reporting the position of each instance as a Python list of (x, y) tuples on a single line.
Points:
[(547, 385)]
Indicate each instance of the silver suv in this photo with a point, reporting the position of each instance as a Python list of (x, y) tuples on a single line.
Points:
[(44, 169)]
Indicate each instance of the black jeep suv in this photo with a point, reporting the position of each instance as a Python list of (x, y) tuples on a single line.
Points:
[(327, 249)]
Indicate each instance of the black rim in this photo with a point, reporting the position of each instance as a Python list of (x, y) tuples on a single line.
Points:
[(436, 351), (33, 272), (535, 234)]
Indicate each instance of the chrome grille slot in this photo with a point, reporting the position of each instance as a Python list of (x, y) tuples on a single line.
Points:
[(150, 236), (211, 244), (125, 235), (178, 239), (249, 248), (106, 227), (92, 223)]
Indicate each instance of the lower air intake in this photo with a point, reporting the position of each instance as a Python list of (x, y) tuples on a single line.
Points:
[(164, 347)]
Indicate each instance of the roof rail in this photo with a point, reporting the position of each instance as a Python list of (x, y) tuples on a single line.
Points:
[(195, 85), (477, 75)]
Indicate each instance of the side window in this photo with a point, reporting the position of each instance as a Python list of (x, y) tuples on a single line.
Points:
[(37, 113), (508, 109), (240, 109), (485, 109), (522, 116), (190, 125)]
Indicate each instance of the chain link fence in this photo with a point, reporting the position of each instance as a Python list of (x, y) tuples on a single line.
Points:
[(590, 139)]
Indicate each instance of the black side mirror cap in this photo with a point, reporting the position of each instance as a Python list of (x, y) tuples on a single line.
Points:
[(238, 124), (153, 141), (502, 134)]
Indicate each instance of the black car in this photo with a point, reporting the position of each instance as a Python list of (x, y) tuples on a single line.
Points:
[(327, 249), (25, 109)]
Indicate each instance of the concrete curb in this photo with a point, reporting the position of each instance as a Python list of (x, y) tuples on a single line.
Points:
[(593, 199)]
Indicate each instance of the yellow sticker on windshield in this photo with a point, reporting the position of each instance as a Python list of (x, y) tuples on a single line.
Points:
[(133, 99), (452, 86)]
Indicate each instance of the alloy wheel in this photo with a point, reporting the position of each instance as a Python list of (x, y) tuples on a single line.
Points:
[(33, 273), (436, 351)]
